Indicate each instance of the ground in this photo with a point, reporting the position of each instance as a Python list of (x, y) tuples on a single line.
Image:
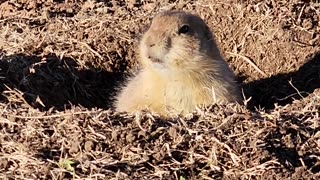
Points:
[(62, 61)]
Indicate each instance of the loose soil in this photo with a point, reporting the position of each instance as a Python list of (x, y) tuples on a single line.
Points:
[(61, 63)]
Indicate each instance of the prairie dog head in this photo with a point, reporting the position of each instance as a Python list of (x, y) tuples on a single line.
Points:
[(177, 40)]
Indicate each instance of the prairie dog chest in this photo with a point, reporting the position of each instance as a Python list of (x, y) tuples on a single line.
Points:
[(185, 94)]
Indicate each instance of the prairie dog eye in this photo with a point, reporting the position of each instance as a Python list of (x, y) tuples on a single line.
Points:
[(184, 29)]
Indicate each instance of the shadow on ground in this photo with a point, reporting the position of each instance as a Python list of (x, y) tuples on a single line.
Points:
[(57, 82), (277, 89)]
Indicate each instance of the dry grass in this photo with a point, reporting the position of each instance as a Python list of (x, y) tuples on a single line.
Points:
[(61, 64)]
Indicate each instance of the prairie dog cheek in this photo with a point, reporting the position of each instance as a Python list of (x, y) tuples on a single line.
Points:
[(180, 56), (144, 55)]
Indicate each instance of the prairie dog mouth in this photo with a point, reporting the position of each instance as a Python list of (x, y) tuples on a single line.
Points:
[(157, 63), (155, 60)]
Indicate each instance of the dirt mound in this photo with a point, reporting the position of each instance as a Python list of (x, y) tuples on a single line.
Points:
[(62, 61)]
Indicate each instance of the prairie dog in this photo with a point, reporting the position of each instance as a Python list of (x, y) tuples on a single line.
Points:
[(181, 68)]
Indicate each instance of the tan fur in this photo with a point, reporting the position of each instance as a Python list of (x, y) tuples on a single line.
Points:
[(179, 70)]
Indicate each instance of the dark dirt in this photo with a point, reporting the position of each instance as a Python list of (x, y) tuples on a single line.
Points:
[(62, 61)]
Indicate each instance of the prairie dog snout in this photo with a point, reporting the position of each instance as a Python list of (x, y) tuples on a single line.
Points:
[(181, 68)]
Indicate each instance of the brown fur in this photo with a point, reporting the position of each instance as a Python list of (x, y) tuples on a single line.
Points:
[(179, 70)]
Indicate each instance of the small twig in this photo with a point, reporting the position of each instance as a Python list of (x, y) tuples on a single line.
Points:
[(95, 133), (233, 156), (250, 62), (137, 120), (245, 99), (88, 47), (214, 98), (290, 82), (18, 93), (300, 14)]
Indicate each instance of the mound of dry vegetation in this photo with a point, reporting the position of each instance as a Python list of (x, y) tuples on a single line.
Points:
[(61, 63)]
